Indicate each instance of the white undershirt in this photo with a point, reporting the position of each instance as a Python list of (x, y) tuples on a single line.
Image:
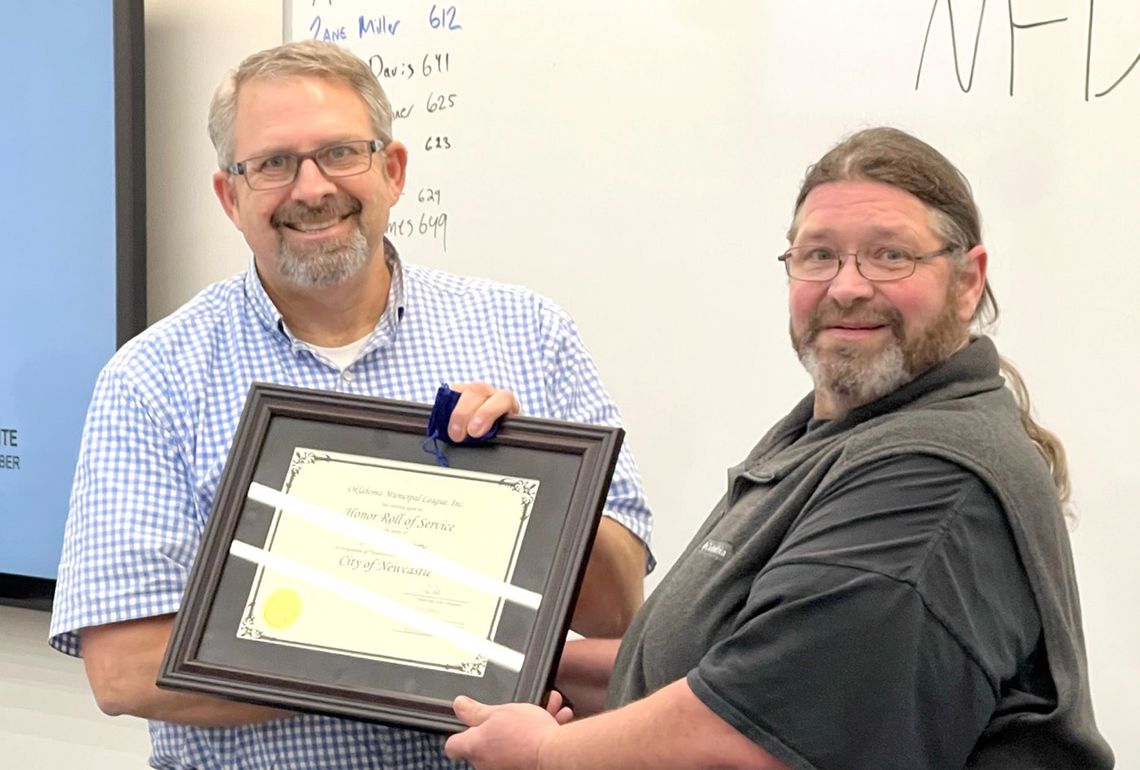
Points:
[(343, 356)]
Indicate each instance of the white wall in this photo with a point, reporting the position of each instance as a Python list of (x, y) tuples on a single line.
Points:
[(685, 316)]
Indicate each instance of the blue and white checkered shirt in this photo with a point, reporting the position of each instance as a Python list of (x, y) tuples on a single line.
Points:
[(160, 425)]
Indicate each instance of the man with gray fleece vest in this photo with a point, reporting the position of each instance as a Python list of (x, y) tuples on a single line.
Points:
[(888, 581)]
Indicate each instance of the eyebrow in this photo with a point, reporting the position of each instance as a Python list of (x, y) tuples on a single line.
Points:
[(875, 233), (280, 150)]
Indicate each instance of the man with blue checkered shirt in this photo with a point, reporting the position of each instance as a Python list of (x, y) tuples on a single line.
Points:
[(309, 171)]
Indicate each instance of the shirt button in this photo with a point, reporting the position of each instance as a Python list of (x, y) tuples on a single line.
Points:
[(347, 376)]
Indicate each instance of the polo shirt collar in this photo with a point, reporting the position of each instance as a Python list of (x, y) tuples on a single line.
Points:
[(385, 332)]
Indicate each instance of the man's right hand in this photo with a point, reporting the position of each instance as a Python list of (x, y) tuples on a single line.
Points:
[(122, 662)]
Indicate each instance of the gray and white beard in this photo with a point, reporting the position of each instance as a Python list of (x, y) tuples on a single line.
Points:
[(323, 264), (856, 379), (320, 265), (853, 381)]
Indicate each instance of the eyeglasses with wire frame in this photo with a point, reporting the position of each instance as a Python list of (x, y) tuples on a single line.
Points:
[(878, 263), (279, 169)]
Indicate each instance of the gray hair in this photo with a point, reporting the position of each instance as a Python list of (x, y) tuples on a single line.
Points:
[(311, 58)]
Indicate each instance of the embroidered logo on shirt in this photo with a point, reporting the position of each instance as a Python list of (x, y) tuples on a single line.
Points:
[(718, 549)]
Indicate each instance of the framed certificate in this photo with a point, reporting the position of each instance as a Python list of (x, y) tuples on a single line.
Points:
[(346, 569)]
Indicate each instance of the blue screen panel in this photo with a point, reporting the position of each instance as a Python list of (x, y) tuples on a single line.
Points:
[(58, 260)]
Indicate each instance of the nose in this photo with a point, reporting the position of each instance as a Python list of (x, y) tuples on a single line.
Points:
[(849, 285), (311, 185)]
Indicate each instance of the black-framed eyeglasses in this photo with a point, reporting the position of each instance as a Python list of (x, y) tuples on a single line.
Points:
[(279, 169), (877, 263)]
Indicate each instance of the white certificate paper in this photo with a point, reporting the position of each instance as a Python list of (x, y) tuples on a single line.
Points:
[(476, 520)]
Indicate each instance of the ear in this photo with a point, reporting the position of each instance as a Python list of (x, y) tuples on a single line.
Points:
[(227, 196), (971, 281), (395, 169)]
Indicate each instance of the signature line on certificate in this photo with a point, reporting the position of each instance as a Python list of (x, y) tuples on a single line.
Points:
[(328, 519), (494, 652)]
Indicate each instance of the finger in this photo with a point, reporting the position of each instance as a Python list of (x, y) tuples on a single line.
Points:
[(471, 395), (554, 701), (470, 711), (559, 707), (502, 402), (458, 746), (478, 407)]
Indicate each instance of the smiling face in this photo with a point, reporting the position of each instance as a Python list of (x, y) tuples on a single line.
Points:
[(860, 339), (318, 231)]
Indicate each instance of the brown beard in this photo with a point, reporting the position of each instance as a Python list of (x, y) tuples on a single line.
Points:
[(858, 377)]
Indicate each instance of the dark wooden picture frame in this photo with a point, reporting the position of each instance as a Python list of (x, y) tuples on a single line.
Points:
[(573, 464)]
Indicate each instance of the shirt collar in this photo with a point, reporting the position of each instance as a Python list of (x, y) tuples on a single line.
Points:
[(386, 328)]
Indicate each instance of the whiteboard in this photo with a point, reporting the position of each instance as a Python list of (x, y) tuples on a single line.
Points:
[(638, 161)]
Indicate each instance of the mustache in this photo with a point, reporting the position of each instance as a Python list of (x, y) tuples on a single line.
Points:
[(301, 213), (829, 313)]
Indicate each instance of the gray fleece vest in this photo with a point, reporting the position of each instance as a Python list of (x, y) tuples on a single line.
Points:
[(961, 411)]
